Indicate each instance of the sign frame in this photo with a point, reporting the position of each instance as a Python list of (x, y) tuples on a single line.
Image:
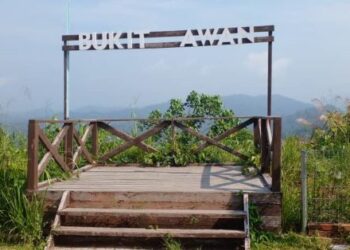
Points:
[(160, 40)]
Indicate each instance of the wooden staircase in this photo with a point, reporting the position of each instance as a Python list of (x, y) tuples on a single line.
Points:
[(136, 220)]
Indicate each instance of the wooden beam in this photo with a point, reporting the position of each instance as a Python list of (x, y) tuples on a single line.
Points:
[(257, 132), (33, 148), (56, 142), (56, 156), (227, 133), (173, 33), (246, 222), (210, 140), (265, 149), (276, 157), (82, 146), (125, 136), (68, 147), (163, 45), (156, 129), (83, 139), (269, 76), (94, 138)]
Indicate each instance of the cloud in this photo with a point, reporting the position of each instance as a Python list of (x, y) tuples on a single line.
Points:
[(257, 62)]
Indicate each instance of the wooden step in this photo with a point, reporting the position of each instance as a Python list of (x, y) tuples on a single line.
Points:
[(147, 233), (152, 212), (159, 218), (157, 200)]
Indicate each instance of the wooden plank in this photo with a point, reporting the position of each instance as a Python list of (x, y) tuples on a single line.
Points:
[(82, 146), (246, 221), (257, 132), (156, 129), (83, 139), (276, 157), (227, 133), (265, 149), (125, 136), (269, 134), (56, 142), (269, 76), (68, 147), (94, 138), (173, 213), (163, 45), (210, 141), (56, 156), (148, 233), (173, 33), (33, 148)]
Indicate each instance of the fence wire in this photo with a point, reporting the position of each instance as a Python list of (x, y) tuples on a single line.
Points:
[(329, 185)]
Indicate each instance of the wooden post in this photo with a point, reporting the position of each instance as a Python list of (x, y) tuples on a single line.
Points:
[(265, 149), (256, 132), (269, 77), (68, 150), (276, 158), (33, 148), (66, 82), (94, 136)]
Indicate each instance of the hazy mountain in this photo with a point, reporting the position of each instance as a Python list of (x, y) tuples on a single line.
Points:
[(243, 105)]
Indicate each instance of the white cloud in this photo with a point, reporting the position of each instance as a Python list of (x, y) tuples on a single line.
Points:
[(257, 62)]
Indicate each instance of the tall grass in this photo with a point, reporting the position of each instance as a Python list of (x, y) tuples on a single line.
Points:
[(20, 217), (291, 153)]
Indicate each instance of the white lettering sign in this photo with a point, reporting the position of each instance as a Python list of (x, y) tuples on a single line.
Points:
[(192, 38)]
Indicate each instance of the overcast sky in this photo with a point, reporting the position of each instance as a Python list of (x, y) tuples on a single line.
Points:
[(311, 57)]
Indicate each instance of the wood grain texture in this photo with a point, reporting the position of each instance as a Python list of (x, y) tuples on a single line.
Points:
[(204, 179)]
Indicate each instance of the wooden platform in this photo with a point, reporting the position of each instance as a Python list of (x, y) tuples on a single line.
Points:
[(165, 179)]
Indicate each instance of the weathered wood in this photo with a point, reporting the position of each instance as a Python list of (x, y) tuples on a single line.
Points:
[(148, 233), (269, 75), (125, 136), (82, 146), (56, 142), (269, 133), (156, 129), (152, 212), (246, 221), (164, 45), (68, 147), (210, 141), (33, 150), (83, 140), (94, 138), (54, 152), (162, 34), (276, 157), (227, 133), (265, 149), (257, 132)]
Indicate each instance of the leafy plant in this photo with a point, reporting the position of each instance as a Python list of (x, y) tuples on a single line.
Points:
[(171, 244)]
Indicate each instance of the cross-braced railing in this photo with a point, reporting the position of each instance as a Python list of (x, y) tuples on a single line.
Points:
[(74, 141)]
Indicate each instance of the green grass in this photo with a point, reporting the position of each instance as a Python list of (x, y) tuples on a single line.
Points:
[(21, 218), (4, 246), (292, 241)]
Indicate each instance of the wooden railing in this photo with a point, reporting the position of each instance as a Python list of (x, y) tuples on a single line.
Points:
[(266, 131)]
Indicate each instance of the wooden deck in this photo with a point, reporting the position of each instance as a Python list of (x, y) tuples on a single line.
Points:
[(163, 179)]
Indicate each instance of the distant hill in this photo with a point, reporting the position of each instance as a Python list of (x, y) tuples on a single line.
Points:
[(243, 105)]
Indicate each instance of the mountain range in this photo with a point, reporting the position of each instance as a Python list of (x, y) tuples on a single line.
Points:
[(243, 105)]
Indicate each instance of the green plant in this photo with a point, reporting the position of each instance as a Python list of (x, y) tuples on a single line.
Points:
[(177, 147), (20, 217), (170, 244)]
